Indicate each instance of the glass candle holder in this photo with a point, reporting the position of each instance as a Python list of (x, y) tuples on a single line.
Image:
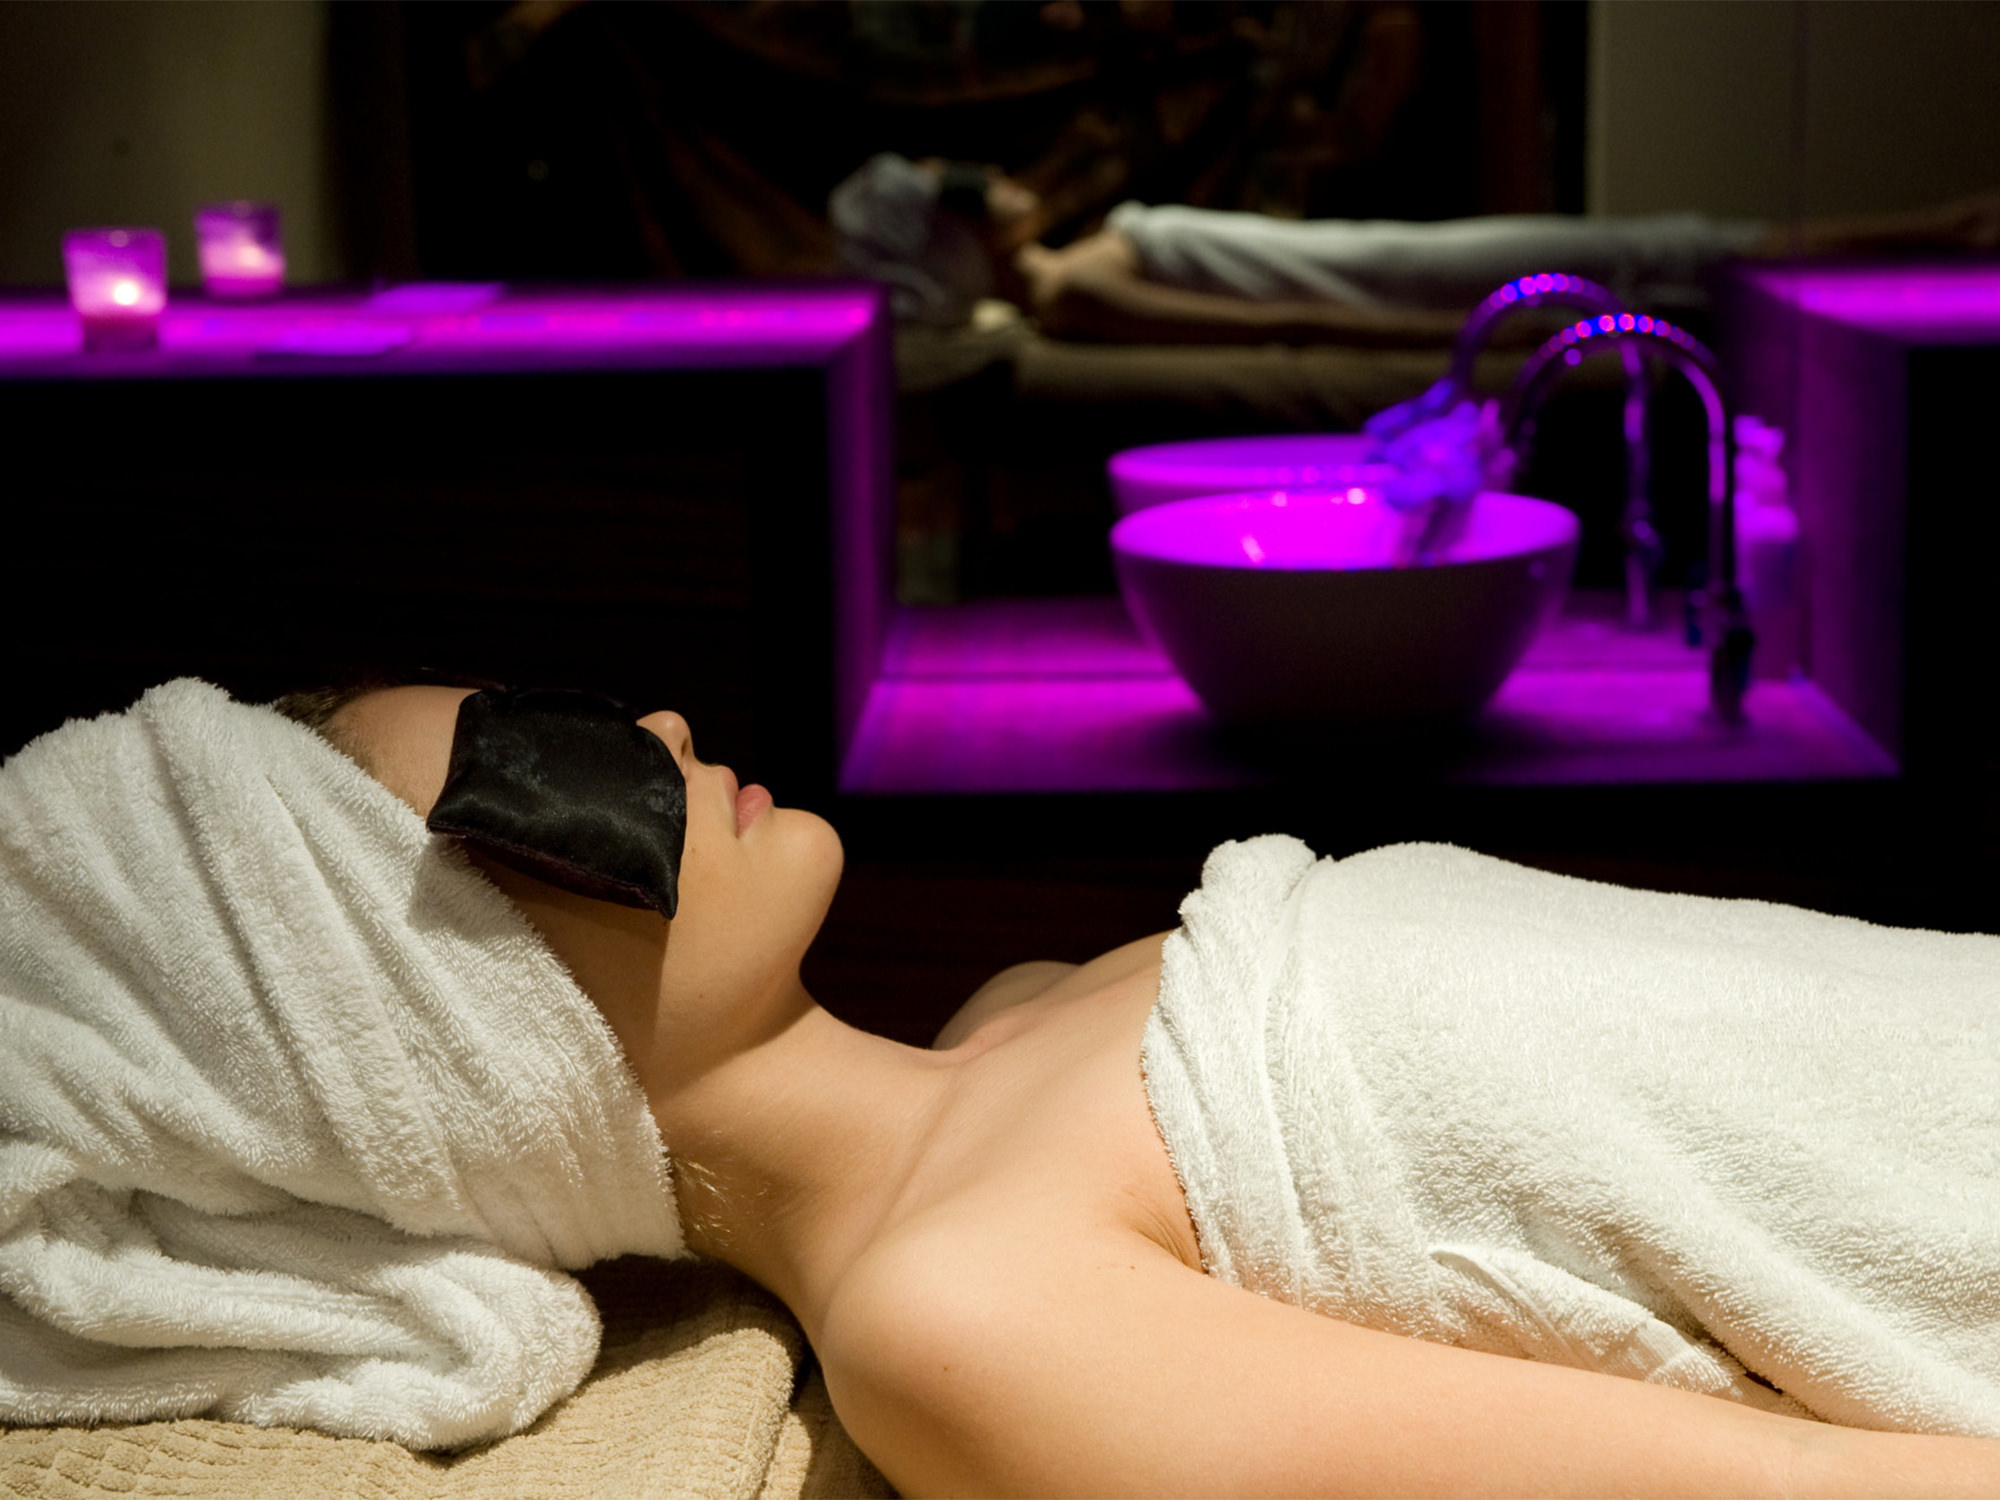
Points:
[(118, 285), (242, 254)]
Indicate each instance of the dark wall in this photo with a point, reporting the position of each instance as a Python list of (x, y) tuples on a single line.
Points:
[(701, 137), (636, 533)]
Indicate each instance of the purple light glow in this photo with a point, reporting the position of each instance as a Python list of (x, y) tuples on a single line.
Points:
[(1346, 530), (1036, 695), (421, 298), (1590, 703), (1288, 608), (1541, 284), (242, 251), (743, 318), (837, 329), (1037, 734), (1143, 477), (1943, 302), (528, 329), (995, 641), (1604, 323), (117, 285)]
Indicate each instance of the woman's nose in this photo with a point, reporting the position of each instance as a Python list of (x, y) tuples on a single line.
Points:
[(673, 731)]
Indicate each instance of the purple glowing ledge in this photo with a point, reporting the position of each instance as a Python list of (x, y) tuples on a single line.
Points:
[(432, 327), (1942, 303)]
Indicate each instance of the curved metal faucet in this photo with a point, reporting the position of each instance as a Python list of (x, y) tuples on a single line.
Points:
[(1555, 289), (1726, 624)]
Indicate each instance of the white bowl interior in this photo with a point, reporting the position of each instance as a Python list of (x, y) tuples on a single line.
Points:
[(1328, 529)]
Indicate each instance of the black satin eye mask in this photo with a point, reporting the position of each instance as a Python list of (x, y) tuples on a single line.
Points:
[(566, 786)]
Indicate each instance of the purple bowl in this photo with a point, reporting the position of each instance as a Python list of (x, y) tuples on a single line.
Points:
[(1286, 607)]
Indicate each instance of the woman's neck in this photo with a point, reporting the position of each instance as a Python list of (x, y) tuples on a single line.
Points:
[(791, 1154)]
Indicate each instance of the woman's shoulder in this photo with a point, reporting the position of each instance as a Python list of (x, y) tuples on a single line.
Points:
[(1046, 1164), (1012, 989), (938, 1344)]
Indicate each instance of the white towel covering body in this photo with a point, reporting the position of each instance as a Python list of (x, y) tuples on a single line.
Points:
[(1729, 1146), (298, 1116)]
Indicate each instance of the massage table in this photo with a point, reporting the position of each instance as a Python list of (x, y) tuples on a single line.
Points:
[(704, 1387)]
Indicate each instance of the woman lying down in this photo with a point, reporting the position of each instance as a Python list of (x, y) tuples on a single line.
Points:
[(1414, 1172)]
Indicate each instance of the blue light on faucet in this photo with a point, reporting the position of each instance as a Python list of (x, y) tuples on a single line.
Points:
[(1642, 541)]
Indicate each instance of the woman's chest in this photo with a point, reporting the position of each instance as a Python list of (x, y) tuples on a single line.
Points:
[(1059, 1135)]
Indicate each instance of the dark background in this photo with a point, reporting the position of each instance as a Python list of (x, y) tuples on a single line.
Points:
[(560, 141), (701, 137)]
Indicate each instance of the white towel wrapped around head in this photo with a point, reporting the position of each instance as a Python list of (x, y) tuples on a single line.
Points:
[(298, 1115), (888, 226)]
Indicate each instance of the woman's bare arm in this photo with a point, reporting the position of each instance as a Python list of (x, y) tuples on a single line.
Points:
[(1105, 1366), (1094, 290)]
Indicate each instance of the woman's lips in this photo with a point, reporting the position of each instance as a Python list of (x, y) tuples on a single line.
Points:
[(751, 804)]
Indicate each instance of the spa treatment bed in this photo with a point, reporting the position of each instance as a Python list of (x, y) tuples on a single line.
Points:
[(704, 1387)]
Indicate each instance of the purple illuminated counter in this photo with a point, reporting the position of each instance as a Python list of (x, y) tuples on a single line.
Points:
[(676, 493), (1065, 696), (685, 495), (1888, 379), (1884, 380), (452, 326)]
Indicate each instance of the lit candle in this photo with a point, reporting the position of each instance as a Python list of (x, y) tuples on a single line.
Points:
[(117, 284), (242, 254)]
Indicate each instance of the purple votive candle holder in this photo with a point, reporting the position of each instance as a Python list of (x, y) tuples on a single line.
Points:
[(118, 285), (241, 252)]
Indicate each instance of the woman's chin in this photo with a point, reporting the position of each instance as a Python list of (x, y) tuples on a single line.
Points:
[(813, 855), (833, 855)]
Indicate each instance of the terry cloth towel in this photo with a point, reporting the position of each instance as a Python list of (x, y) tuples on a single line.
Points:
[(298, 1116), (704, 1390), (1723, 1145), (887, 226)]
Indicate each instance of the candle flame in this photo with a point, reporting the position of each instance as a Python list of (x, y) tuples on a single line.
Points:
[(125, 293)]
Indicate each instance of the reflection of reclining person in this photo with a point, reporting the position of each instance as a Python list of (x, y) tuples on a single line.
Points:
[(1190, 275)]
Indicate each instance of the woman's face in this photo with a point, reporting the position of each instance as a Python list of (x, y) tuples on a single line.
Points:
[(755, 882)]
